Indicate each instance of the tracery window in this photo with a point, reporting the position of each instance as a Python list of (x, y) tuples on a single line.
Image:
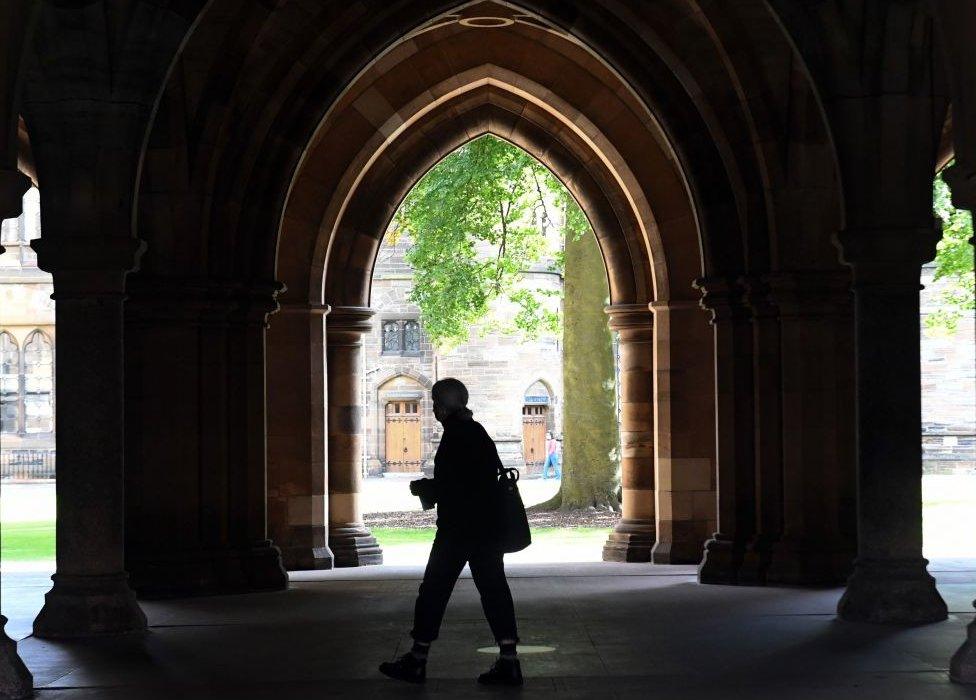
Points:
[(411, 336), (9, 384), (38, 384), (401, 337)]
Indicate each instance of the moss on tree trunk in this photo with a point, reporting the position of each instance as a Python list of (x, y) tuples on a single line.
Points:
[(590, 435)]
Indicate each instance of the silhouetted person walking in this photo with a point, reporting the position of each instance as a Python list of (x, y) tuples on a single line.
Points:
[(464, 488)]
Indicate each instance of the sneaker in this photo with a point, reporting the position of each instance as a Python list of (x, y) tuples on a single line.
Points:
[(503, 672), (407, 668)]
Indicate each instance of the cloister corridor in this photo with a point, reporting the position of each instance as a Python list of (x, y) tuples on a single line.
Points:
[(614, 628)]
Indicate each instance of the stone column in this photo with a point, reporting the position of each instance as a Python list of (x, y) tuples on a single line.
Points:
[(890, 583), (955, 23), (734, 434), (634, 535), (817, 546), (16, 681), (296, 436), (350, 541), (91, 594), (684, 431), (767, 388)]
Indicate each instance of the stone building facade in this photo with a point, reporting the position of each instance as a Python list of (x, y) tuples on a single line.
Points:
[(948, 388), (27, 338), (515, 383)]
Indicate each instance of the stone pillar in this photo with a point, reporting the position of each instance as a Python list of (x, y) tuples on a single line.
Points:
[(734, 434), (296, 436), (196, 438), (955, 23), (684, 431), (890, 583), (351, 543), (16, 681), (817, 545), (634, 535), (767, 386), (91, 594)]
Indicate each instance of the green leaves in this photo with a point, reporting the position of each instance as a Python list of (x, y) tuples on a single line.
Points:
[(476, 221), (953, 262)]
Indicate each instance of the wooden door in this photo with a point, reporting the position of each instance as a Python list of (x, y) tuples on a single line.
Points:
[(534, 434), (403, 436)]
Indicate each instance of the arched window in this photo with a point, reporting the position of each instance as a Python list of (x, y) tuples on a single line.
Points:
[(9, 384), (38, 384), (411, 336), (391, 337)]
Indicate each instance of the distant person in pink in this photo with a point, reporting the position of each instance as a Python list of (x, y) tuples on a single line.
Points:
[(552, 458)]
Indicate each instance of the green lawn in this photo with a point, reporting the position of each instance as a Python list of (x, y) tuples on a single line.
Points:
[(27, 541), (390, 536)]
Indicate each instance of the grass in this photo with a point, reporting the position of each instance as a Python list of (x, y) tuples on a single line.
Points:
[(391, 537), (27, 541)]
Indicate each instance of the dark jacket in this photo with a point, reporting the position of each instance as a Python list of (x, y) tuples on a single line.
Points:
[(465, 478)]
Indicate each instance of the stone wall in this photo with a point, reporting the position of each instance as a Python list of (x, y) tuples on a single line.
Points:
[(498, 369), (948, 388), (25, 299)]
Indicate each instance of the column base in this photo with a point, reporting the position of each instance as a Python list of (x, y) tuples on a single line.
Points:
[(208, 571), (891, 592), (89, 606), (721, 562), (304, 548), (962, 667), (797, 563), (677, 553), (307, 558), (755, 562), (16, 682), (630, 541), (353, 545)]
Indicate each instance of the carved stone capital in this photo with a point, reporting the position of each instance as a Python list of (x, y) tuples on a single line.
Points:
[(634, 322), (348, 324), (202, 301), (962, 182), (13, 185), (88, 266), (810, 294), (724, 297), (888, 258)]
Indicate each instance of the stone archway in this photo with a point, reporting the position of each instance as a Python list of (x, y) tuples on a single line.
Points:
[(682, 165), (406, 131)]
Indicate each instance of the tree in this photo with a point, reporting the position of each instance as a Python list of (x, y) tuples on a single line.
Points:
[(475, 221), (953, 261), (590, 437)]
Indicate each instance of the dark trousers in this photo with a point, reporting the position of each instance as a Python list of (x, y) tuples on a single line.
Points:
[(447, 559)]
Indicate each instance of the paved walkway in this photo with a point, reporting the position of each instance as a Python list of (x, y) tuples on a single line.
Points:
[(616, 631)]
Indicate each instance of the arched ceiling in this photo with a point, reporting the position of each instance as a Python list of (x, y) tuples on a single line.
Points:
[(682, 115)]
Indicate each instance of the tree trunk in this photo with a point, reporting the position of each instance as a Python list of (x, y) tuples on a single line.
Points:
[(591, 452)]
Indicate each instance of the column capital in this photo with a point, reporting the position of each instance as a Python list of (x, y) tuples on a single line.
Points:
[(88, 266), (348, 323), (13, 185), (962, 183), (630, 319), (724, 297), (303, 308), (809, 293), (887, 256), (201, 300)]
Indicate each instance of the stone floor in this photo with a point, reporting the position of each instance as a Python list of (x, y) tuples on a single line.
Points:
[(619, 630)]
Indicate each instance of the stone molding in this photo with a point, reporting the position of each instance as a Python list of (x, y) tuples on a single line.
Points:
[(634, 322), (348, 324), (305, 308), (723, 297), (803, 294), (888, 258), (182, 300), (13, 185)]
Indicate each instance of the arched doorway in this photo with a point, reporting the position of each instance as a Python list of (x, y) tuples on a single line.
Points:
[(538, 419)]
